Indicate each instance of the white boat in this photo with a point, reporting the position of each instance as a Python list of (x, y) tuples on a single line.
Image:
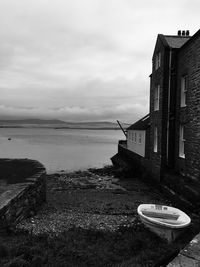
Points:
[(165, 221)]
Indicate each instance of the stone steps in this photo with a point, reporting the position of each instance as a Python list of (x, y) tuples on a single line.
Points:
[(180, 200), (183, 187), (192, 194)]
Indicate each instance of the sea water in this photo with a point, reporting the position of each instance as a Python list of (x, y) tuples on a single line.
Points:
[(60, 149)]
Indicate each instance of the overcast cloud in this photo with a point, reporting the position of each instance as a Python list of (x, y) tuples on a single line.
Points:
[(83, 59)]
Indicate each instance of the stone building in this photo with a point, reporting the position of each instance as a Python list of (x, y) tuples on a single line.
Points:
[(172, 153)]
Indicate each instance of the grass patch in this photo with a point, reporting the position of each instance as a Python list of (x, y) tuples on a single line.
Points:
[(133, 246)]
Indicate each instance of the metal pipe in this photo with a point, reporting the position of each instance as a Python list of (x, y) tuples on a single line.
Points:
[(169, 95)]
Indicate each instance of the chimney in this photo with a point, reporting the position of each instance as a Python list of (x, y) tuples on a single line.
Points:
[(187, 33), (179, 33), (183, 33)]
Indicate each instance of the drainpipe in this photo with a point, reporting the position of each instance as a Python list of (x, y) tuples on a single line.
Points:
[(168, 107)]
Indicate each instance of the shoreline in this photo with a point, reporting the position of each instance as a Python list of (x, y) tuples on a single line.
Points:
[(59, 128)]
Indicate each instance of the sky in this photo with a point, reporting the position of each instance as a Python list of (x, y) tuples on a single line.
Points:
[(83, 60)]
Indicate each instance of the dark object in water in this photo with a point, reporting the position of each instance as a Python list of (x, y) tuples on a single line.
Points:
[(9, 138)]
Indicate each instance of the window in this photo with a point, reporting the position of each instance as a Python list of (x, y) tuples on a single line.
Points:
[(132, 137), (158, 60), (140, 138), (135, 138), (155, 145), (129, 135), (156, 97), (181, 142), (184, 81)]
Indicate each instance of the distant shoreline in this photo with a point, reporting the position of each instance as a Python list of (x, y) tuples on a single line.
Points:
[(86, 128), (58, 128), (58, 124)]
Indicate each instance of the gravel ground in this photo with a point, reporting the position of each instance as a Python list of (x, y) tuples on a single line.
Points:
[(90, 219), (92, 199)]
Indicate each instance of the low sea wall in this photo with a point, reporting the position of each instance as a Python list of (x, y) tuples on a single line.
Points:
[(132, 162), (22, 190)]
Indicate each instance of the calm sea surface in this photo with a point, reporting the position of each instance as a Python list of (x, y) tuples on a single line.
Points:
[(60, 149)]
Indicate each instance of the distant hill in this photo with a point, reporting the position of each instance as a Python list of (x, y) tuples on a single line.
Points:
[(31, 121), (94, 124), (58, 124)]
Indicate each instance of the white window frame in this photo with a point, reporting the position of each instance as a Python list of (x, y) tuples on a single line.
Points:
[(155, 139), (181, 142), (135, 137), (184, 81), (140, 139), (157, 60), (156, 97), (129, 135)]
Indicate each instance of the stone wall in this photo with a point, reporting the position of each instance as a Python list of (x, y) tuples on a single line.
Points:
[(181, 190), (189, 116), (158, 118), (137, 164), (157, 78), (22, 190)]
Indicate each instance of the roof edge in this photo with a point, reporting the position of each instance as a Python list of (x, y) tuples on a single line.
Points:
[(162, 38), (142, 120)]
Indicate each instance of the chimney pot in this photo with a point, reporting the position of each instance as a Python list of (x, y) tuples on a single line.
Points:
[(183, 33), (179, 33), (187, 33)]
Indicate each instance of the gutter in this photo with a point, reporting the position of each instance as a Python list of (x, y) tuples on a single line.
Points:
[(168, 107)]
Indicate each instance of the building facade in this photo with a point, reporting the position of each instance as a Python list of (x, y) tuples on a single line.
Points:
[(172, 154)]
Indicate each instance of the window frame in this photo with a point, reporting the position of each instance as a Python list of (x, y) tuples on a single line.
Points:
[(157, 97), (135, 137), (184, 86), (155, 139), (181, 141), (158, 60), (140, 139)]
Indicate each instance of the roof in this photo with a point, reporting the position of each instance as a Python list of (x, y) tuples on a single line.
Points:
[(171, 41), (174, 41), (196, 35), (142, 124)]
